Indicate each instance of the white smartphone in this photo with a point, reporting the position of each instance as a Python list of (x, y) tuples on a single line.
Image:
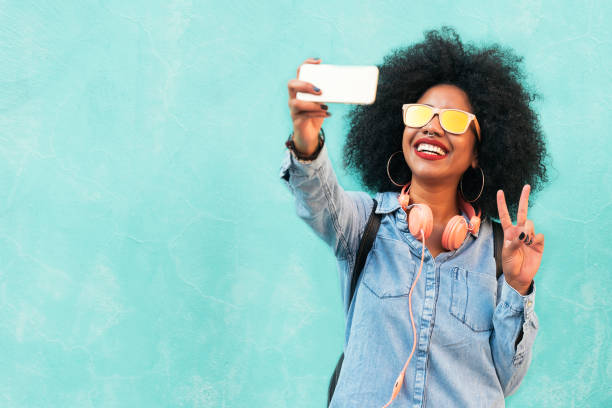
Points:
[(340, 83)]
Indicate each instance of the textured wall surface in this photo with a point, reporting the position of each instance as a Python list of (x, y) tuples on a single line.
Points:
[(149, 255)]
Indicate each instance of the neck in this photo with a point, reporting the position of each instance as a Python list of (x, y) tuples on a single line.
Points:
[(442, 199)]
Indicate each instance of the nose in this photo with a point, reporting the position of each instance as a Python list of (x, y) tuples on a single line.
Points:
[(434, 126)]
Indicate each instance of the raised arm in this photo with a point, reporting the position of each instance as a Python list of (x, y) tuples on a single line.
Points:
[(338, 217), (307, 117), (515, 323)]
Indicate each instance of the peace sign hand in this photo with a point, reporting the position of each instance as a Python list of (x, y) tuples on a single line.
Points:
[(522, 251)]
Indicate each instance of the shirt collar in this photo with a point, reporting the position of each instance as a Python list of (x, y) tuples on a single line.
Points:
[(387, 202)]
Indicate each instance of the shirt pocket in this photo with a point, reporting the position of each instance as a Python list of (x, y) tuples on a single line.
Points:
[(473, 298), (389, 269)]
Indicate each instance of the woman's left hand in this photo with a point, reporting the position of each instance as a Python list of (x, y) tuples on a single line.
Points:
[(522, 250)]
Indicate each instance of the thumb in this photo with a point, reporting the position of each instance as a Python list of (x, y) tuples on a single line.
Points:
[(513, 245)]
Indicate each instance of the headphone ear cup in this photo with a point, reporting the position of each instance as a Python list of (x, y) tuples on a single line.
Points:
[(475, 223), (455, 232), (420, 218), (404, 200)]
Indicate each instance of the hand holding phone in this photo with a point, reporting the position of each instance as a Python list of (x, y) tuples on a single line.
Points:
[(307, 116)]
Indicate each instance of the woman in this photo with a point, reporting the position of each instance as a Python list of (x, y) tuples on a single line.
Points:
[(451, 129)]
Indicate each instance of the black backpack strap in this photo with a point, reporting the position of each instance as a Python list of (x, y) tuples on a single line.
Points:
[(498, 241), (334, 379), (365, 245)]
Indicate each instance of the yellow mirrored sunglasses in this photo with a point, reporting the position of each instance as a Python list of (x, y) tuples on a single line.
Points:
[(452, 120)]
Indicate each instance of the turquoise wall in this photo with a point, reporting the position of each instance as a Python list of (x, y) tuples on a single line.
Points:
[(149, 255)]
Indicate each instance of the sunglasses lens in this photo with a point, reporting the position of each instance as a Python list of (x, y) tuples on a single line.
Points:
[(454, 121), (417, 115)]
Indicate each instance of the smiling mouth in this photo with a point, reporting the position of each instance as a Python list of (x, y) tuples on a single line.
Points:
[(430, 149)]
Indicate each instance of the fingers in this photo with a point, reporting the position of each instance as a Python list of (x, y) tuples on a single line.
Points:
[(297, 106), (295, 85), (524, 235), (312, 115), (308, 61), (502, 210), (529, 229), (534, 242), (521, 237), (521, 215), (530, 237), (538, 242)]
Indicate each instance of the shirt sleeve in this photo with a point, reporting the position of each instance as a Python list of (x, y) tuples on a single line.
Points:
[(515, 326), (337, 216)]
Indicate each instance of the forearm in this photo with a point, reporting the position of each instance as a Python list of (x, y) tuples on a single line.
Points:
[(337, 216), (515, 326)]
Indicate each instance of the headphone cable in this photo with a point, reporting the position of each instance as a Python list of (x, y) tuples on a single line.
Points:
[(400, 379)]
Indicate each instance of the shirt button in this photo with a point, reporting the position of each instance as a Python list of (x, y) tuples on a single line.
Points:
[(529, 303)]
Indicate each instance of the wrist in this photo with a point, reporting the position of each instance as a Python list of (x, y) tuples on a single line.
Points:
[(522, 288), (305, 148), (305, 152)]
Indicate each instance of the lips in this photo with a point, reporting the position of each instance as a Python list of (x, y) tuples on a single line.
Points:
[(430, 149)]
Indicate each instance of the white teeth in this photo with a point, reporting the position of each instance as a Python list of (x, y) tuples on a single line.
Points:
[(431, 149)]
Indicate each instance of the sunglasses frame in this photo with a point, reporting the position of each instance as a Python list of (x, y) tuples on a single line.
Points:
[(439, 111)]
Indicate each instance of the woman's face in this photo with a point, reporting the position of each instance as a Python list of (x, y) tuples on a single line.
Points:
[(460, 152)]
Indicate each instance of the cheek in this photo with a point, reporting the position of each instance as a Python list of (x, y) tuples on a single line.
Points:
[(468, 153), (407, 137)]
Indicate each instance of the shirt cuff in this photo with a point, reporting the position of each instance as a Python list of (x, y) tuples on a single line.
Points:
[(292, 165), (516, 302)]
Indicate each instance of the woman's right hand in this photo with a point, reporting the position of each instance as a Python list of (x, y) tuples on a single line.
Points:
[(307, 117)]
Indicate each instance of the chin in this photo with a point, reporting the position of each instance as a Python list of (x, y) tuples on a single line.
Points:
[(430, 173)]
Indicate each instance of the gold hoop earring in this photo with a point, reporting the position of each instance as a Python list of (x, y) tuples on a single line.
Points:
[(481, 188), (388, 173)]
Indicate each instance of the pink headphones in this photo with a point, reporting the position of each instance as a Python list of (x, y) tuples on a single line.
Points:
[(421, 218)]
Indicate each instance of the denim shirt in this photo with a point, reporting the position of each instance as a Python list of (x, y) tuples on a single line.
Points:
[(467, 321)]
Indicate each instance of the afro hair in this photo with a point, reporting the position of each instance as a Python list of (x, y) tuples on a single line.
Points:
[(512, 151)]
